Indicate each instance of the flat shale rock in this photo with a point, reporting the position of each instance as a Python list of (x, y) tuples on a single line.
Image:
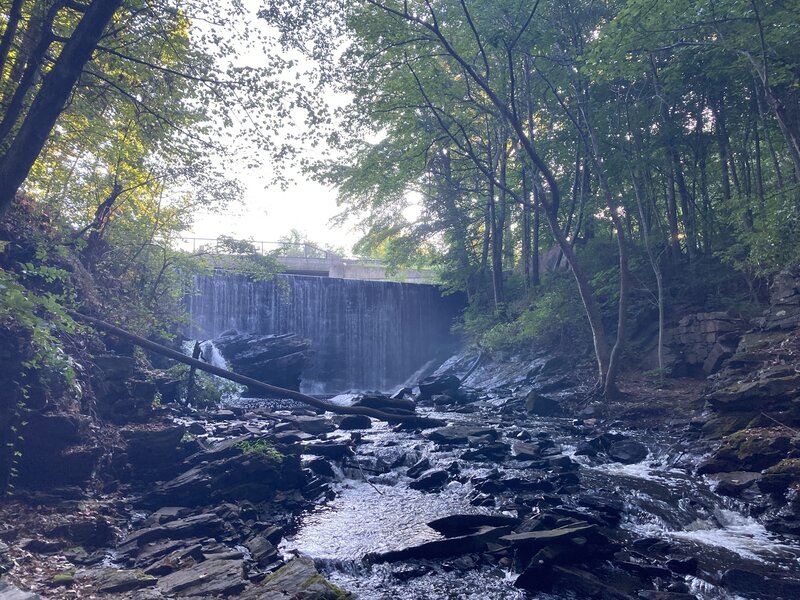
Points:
[(208, 578), (457, 525), (116, 581), (296, 580), (459, 434), (453, 546)]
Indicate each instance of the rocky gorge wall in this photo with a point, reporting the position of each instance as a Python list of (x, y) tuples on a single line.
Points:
[(364, 334)]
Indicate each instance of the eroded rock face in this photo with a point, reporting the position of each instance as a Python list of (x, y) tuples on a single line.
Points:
[(750, 450), (275, 359)]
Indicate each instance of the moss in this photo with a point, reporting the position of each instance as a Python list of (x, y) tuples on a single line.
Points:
[(260, 447), (322, 584), (788, 466), (64, 578)]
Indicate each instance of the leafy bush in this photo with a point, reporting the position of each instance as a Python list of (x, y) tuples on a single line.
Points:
[(551, 315)]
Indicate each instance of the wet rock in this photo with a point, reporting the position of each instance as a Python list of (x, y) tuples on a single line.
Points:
[(452, 546), (207, 578), (313, 425), (627, 452), (460, 525), (296, 580), (683, 566), (418, 468), (753, 585), (350, 422), (334, 450), (438, 384), (658, 595), (539, 539), (579, 582), (733, 483), (779, 478), (459, 434), (749, 450), (524, 451), (493, 451), (322, 467), (543, 406), (397, 406), (430, 481)]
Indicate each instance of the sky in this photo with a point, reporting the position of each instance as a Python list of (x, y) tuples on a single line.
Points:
[(268, 212)]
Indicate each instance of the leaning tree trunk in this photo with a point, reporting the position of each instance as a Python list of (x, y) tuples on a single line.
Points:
[(59, 82), (271, 390)]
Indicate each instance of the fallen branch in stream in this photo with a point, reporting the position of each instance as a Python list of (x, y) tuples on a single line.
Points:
[(271, 390)]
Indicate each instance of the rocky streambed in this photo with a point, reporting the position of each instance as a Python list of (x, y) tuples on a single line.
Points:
[(521, 492)]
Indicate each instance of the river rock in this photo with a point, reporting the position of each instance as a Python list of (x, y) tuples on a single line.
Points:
[(204, 579), (627, 452), (753, 585), (296, 580), (430, 481), (460, 525), (733, 483), (460, 434), (438, 384), (749, 450), (275, 359), (351, 422), (475, 542), (394, 406), (543, 406)]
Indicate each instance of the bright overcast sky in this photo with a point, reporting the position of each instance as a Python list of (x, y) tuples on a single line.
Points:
[(268, 212)]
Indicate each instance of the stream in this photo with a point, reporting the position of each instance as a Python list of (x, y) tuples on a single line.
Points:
[(658, 500)]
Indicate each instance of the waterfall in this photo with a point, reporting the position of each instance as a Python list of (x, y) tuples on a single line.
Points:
[(369, 335)]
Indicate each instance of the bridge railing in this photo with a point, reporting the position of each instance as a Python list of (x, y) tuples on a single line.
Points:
[(288, 249)]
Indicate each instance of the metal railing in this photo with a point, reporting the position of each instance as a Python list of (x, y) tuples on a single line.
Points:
[(287, 249)]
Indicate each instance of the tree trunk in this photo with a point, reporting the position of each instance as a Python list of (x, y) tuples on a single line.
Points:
[(16, 163), (271, 390)]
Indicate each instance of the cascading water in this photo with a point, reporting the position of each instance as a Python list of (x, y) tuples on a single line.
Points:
[(365, 334)]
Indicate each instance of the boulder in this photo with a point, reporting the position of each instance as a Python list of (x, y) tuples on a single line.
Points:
[(543, 406), (749, 450), (205, 579), (460, 434), (438, 384), (351, 422), (460, 525), (396, 406), (627, 452), (430, 481), (296, 580), (453, 546)]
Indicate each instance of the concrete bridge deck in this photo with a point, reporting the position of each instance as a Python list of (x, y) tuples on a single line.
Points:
[(307, 259)]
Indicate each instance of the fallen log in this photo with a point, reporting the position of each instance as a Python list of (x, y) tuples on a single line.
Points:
[(272, 390)]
